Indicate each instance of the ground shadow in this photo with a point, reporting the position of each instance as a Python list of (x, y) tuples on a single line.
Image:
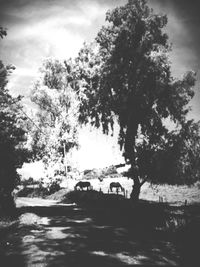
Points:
[(109, 235)]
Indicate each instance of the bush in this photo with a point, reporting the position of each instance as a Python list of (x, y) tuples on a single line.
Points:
[(33, 192), (54, 187)]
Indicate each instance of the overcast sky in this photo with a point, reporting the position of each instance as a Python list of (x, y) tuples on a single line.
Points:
[(57, 28)]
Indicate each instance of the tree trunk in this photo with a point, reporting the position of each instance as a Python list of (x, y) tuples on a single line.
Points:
[(7, 203), (136, 189), (129, 147)]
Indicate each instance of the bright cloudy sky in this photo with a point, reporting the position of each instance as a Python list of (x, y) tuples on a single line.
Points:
[(57, 28)]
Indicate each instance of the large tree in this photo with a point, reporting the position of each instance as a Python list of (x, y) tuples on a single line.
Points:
[(53, 129), (128, 77), (12, 134)]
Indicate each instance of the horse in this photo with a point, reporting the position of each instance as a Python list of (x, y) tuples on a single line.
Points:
[(116, 185), (82, 185)]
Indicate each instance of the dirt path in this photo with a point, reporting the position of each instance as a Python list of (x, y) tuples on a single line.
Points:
[(31, 202), (49, 234)]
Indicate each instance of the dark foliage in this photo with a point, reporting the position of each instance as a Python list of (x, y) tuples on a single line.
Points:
[(12, 136)]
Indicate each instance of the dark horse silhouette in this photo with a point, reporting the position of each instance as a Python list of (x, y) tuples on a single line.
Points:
[(116, 185), (81, 185)]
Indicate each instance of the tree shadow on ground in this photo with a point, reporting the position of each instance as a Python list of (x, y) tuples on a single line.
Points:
[(88, 237), (10, 251), (110, 233)]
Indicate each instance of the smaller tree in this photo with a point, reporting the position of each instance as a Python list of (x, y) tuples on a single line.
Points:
[(54, 132)]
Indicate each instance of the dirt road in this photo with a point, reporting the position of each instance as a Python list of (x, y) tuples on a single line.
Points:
[(50, 234)]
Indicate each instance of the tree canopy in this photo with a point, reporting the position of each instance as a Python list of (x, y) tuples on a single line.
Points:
[(54, 132), (127, 77)]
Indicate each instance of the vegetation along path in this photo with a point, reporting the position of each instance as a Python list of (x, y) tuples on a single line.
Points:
[(52, 234)]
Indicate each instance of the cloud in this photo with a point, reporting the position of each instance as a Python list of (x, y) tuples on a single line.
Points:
[(54, 25), (37, 30)]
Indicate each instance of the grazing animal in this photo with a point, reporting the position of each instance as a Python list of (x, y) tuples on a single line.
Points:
[(116, 185), (82, 185)]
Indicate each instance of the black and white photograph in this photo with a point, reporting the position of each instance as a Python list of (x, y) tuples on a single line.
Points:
[(99, 133)]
